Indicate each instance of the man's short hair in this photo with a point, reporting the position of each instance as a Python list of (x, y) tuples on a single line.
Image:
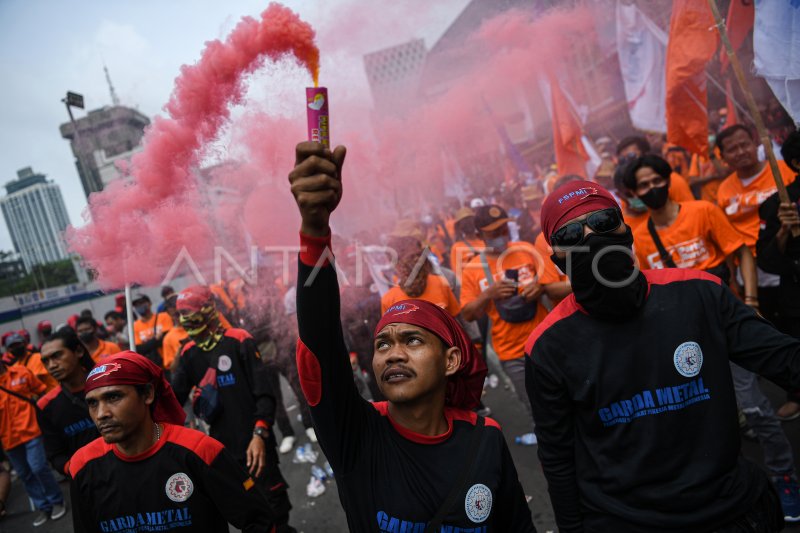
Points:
[(657, 163), (116, 315), (166, 290), (69, 339), (790, 151), (730, 130), (86, 320), (640, 142)]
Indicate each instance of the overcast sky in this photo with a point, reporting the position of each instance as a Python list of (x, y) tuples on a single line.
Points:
[(50, 47)]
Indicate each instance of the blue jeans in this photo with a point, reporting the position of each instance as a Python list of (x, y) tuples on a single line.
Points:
[(30, 462)]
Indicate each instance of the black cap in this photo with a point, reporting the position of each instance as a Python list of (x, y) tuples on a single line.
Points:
[(490, 217)]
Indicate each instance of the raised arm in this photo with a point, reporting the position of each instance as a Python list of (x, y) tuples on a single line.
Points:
[(323, 363)]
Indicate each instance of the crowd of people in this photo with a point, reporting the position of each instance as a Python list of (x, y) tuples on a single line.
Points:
[(630, 314)]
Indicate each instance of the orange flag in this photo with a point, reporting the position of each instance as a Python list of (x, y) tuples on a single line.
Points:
[(692, 42), (571, 156), (741, 15)]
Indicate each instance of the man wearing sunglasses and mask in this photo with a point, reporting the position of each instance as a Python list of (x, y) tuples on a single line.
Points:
[(631, 389)]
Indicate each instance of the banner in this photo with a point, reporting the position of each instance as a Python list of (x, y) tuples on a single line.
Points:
[(642, 49), (776, 43)]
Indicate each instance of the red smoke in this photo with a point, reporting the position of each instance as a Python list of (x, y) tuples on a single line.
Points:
[(394, 166), (138, 227)]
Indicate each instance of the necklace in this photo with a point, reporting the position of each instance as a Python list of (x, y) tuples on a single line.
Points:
[(158, 432)]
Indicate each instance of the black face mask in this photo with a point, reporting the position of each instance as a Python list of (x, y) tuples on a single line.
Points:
[(613, 267), (655, 197), (86, 337)]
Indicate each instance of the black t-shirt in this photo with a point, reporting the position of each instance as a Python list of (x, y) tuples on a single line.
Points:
[(391, 479), (242, 384), (186, 482), (66, 425), (637, 420)]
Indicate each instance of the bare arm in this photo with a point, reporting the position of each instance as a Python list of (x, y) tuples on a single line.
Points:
[(748, 265)]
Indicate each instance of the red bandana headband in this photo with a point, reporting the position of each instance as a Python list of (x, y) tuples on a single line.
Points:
[(130, 368), (465, 386)]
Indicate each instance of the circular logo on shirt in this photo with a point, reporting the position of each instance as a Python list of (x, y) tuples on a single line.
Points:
[(688, 359), (224, 364), (179, 487), (478, 503)]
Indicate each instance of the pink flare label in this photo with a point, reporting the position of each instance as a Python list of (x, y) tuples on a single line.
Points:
[(317, 113)]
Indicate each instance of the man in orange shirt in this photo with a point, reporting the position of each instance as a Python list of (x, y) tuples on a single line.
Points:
[(692, 234), (506, 283), (633, 210), (149, 329), (742, 193), (22, 355), (467, 244), (22, 440), (86, 328)]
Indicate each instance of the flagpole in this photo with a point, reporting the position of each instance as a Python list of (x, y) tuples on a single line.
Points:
[(751, 104), (129, 316)]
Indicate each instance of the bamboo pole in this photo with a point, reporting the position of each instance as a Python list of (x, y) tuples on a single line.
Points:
[(751, 104)]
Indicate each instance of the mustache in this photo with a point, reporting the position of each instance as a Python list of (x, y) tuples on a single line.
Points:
[(398, 368)]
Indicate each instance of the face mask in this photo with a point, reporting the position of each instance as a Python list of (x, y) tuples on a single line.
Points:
[(141, 309), (636, 205), (86, 337), (497, 244), (612, 291), (197, 331), (656, 197)]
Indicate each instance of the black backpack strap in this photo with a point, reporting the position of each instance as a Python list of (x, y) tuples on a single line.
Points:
[(455, 492), (20, 396), (665, 257)]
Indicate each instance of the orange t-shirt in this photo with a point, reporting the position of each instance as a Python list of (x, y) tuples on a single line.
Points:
[(508, 339), (172, 344), (144, 330), (104, 349), (679, 191), (740, 202), (33, 362), (437, 291), (460, 254), (699, 238), (701, 167), (17, 417)]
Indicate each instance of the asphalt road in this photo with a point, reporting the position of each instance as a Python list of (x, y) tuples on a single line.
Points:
[(323, 514)]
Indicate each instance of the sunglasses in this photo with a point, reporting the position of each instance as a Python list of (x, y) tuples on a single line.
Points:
[(571, 235)]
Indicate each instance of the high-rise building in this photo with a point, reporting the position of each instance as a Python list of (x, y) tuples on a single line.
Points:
[(36, 218), (394, 75), (103, 137)]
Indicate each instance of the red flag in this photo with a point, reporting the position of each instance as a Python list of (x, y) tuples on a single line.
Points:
[(571, 156), (692, 42), (741, 15)]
